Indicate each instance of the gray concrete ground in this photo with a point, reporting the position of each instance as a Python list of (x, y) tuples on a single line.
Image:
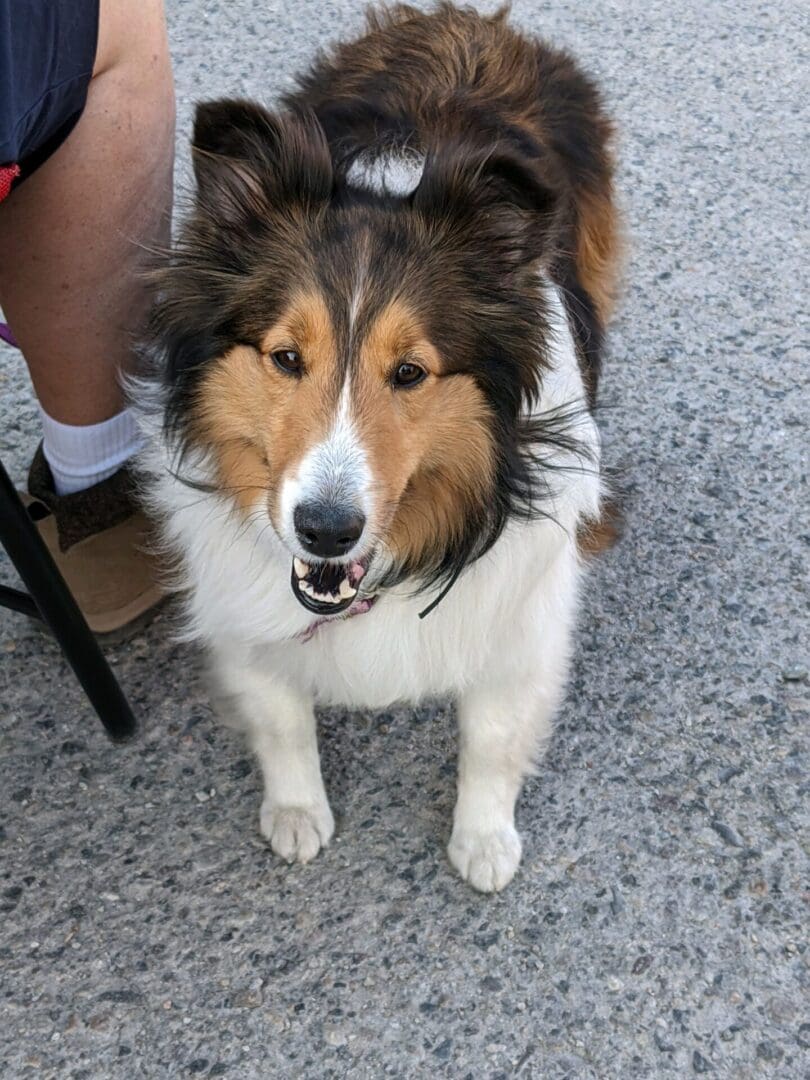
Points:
[(656, 928)]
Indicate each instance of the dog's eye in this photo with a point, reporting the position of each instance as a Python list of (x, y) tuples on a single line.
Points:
[(288, 361), (407, 375)]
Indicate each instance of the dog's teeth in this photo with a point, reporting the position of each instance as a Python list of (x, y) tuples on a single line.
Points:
[(326, 598), (346, 590)]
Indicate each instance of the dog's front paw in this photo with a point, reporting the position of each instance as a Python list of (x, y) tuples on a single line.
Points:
[(297, 833), (487, 860)]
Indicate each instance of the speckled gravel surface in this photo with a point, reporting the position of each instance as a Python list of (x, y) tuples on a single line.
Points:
[(656, 928)]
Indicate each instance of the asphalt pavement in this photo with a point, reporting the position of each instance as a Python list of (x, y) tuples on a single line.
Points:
[(658, 925)]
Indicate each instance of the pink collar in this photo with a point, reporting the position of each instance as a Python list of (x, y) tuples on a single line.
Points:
[(359, 607)]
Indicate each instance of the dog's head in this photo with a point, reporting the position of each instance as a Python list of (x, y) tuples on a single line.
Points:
[(359, 364)]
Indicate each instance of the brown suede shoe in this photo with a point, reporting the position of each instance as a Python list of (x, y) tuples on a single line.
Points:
[(100, 541)]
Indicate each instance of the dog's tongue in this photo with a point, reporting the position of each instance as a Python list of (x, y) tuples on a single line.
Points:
[(355, 573)]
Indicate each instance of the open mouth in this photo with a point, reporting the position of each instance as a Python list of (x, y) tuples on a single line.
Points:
[(326, 588)]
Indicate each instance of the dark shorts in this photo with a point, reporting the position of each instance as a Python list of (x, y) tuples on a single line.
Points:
[(47, 52)]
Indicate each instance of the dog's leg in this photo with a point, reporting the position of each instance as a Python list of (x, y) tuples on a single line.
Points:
[(503, 727), (280, 722)]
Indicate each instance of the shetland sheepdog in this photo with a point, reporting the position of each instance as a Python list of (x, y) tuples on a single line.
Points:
[(370, 430)]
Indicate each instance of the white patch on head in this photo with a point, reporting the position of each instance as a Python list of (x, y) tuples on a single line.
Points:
[(396, 173), (334, 471)]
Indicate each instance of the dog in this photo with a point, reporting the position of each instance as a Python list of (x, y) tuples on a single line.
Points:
[(371, 440)]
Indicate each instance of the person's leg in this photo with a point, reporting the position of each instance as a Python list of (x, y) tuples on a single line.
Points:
[(81, 229), (75, 235)]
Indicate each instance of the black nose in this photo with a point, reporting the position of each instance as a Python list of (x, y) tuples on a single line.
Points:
[(327, 530)]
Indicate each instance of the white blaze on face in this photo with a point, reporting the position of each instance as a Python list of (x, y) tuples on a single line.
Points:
[(334, 471)]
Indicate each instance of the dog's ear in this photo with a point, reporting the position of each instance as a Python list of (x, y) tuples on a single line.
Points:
[(503, 197), (248, 160)]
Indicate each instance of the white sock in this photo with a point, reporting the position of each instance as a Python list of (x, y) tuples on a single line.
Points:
[(83, 455)]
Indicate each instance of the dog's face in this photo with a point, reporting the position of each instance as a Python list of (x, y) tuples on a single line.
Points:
[(356, 364)]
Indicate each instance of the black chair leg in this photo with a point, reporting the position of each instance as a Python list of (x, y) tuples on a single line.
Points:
[(56, 606)]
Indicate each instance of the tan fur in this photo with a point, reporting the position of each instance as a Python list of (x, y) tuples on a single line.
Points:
[(596, 537), (598, 248), (224, 423), (259, 421), (429, 447), (455, 476)]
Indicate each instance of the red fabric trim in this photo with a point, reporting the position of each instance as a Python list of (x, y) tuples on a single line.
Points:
[(8, 174)]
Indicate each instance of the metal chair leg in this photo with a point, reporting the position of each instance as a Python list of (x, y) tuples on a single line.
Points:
[(56, 606)]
